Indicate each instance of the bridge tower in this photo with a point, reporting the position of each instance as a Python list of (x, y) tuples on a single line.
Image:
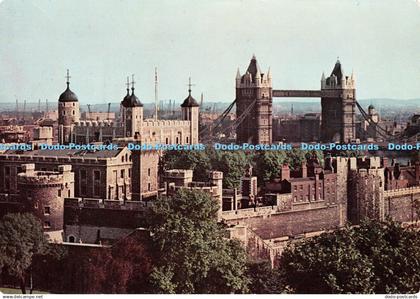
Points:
[(254, 89), (338, 113)]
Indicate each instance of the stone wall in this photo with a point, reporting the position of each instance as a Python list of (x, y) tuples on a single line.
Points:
[(403, 205), (95, 220)]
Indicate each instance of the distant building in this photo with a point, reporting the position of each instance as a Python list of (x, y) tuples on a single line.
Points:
[(301, 129)]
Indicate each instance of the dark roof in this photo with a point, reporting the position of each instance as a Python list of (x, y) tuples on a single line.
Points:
[(253, 67), (68, 96), (127, 96), (190, 102), (337, 71), (131, 100)]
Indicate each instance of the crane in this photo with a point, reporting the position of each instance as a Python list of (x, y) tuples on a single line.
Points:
[(108, 112)]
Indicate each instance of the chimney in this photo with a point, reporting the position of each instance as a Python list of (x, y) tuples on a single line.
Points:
[(284, 172), (304, 170)]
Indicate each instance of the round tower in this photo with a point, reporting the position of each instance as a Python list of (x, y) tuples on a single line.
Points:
[(68, 113), (42, 193), (190, 110)]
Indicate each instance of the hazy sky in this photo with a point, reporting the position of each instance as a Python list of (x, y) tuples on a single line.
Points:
[(103, 41)]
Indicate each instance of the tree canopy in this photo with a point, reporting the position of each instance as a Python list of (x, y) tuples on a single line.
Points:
[(376, 257), (193, 254), (21, 239)]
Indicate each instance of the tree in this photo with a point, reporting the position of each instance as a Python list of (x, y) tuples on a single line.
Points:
[(376, 257), (198, 161), (268, 164), (21, 239), (233, 165), (124, 268), (264, 279), (193, 254)]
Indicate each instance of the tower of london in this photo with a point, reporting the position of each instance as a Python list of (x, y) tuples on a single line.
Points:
[(131, 125)]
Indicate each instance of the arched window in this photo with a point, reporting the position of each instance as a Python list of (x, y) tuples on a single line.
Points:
[(72, 239)]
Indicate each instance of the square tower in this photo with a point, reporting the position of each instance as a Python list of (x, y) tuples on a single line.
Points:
[(254, 105), (338, 122)]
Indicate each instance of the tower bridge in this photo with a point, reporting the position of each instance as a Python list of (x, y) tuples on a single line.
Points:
[(254, 99), (338, 103)]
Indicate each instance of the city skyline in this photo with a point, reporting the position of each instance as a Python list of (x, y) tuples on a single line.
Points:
[(101, 49)]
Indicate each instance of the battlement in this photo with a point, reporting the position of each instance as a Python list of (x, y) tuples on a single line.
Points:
[(97, 123), (44, 178), (79, 202), (362, 172), (283, 205), (338, 81), (402, 191), (165, 123), (199, 186), (54, 159), (260, 80), (365, 163), (250, 212)]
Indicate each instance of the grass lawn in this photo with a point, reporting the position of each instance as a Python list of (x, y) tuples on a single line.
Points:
[(18, 291)]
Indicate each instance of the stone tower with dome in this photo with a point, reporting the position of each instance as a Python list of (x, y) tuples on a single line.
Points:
[(190, 112), (131, 113), (68, 114)]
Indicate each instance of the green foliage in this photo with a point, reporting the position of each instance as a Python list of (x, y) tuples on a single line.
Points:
[(372, 258), (21, 239), (264, 279), (296, 157), (233, 165), (268, 164), (199, 161), (193, 255)]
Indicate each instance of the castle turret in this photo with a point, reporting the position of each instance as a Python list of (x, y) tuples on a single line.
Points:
[(68, 113), (338, 113), (190, 112), (254, 97), (42, 193), (131, 110)]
